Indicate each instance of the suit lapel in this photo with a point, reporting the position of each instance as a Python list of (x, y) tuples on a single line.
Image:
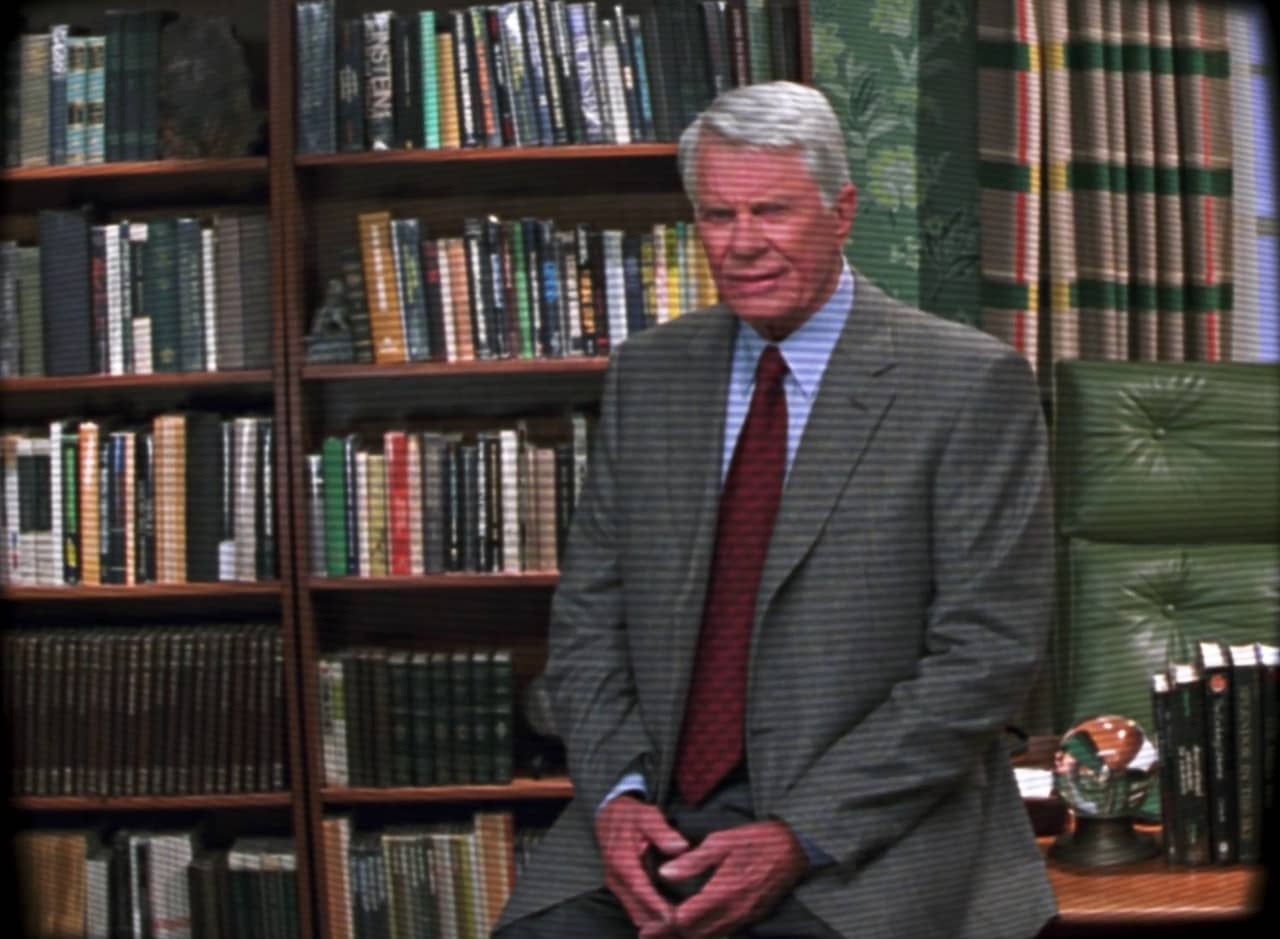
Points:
[(856, 391), (694, 430)]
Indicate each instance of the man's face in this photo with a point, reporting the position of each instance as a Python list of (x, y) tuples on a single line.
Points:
[(773, 248)]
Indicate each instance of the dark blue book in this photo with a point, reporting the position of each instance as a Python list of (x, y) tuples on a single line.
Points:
[(65, 281), (350, 81), (58, 60), (539, 73), (405, 239), (590, 102), (190, 297), (160, 294), (552, 334), (406, 59), (314, 61), (113, 96)]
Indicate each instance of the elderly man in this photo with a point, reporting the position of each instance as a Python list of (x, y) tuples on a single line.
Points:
[(807, 584)]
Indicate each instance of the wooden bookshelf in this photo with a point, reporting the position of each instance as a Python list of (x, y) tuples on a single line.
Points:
[(1151, 894), (521, 789), (196, 803)]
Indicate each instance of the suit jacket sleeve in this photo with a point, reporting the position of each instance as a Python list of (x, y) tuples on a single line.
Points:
[(589, 671), (987, 625)]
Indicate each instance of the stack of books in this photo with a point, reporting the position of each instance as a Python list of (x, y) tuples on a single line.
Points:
[(1216, 723)]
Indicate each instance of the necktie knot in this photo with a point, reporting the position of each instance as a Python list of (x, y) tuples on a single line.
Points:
[(771, 368)]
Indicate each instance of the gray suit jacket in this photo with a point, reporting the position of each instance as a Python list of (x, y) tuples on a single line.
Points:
[(902, 612)]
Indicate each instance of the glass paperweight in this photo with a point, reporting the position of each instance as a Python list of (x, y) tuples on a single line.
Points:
[(1103, 770)]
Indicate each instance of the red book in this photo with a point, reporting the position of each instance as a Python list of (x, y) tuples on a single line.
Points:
[(395, 446)]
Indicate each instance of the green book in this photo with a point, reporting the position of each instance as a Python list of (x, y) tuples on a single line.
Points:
[(401, 718), (430, 87), (502, 707), (333, 463), (160, 294), (463, 717), (421, 735), (30, 312), (481, 717), (520, 274), (442, 722)]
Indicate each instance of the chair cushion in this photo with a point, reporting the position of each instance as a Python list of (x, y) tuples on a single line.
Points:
[(1134, 609), (1168, 452)]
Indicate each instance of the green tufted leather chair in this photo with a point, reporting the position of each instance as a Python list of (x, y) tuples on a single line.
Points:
[(1167, 488)]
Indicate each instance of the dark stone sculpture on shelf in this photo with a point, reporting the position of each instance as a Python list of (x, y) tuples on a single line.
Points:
[(329, 339), (205, 106)]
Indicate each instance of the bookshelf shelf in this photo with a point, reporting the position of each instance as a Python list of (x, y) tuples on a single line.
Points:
[(117, 185), (574, 153), (552, 788), (459, 581), (169, 170), (195, 803), (168, 380), (490, 368), (1151, 894), (142, 592)]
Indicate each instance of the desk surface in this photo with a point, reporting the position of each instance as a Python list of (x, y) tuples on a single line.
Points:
[(1152, 892)]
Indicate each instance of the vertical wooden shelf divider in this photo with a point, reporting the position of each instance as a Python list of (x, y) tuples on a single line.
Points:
[(283, 206)]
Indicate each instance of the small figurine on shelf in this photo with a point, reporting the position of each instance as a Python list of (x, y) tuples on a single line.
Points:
[(330, 337)]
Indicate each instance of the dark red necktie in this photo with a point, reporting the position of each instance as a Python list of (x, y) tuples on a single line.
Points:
[(711, 743)]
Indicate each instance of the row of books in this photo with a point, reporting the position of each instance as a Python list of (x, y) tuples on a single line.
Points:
[(1217, 722), (162, 295), (529, 73), (187, 498), (420, 881), (143, 883), (392, 717), (495, 501), (515, 288), (161, 710)]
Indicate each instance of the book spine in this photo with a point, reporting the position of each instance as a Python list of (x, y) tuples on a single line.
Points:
[(379, 91), (382, 292), (77, 90), (315, 65), (539, 73), (95, 99), (589, 100), (58, 66), (1192, 830), (427, 76), (1246, 708), (350, 136), (552, 73), (1220, 754), (406, 240), (190, 293), (470, 129), (485, 89), (357, 304)]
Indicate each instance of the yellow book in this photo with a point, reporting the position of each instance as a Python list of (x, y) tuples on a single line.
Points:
[(675, 303), (377, 482), (450, 136), (386, 321)]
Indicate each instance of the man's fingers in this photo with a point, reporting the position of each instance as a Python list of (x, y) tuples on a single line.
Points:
[(709, 912), (662, 836), (691, 863)]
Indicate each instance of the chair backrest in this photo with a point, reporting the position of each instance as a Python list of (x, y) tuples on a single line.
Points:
[(1167, 487)]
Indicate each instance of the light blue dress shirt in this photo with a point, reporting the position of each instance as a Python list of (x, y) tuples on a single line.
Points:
[(806, 351)]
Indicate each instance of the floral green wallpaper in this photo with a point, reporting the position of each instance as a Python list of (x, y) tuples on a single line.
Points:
[(900, 74)]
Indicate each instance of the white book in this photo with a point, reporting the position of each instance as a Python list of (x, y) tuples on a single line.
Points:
[(315, 514), (333, 722), (97, 893), (480, 925), (613, 78), (115, 309), (615, 285), (208, 272), (227, 533), (508, 449), (246, 496), (168, 855), (55, 501)]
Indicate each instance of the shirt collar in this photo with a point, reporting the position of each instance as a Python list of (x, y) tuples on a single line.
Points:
[(808, 349)]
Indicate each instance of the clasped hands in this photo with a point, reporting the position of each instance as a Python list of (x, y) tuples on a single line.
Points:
[(751, 868)]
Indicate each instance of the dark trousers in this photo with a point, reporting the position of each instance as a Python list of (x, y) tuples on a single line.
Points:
[(599, 915)]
